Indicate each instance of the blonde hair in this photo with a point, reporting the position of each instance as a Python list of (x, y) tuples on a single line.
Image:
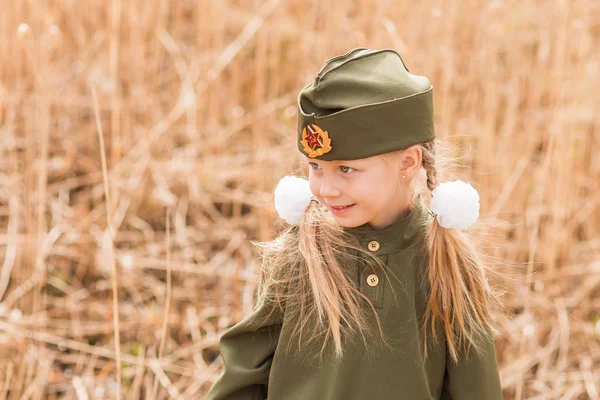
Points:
[(307, 274)]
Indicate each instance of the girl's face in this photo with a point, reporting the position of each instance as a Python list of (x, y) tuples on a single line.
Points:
[(369, 186)]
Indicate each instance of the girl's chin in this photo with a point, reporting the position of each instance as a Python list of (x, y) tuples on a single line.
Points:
[(346, 223)]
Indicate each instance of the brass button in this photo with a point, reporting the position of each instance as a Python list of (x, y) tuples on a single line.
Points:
[(372, 280), (373, 245)]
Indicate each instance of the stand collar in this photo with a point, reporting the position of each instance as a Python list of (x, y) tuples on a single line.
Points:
[(395, 236)]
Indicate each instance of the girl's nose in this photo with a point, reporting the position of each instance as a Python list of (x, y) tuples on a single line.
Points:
[(328, 189)]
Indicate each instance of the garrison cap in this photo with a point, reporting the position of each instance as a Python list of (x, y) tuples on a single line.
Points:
[(364, 103)]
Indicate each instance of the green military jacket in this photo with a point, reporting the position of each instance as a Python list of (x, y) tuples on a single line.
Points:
[(256, 369)]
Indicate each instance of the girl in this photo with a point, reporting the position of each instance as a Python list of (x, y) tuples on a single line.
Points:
[(368, 294)]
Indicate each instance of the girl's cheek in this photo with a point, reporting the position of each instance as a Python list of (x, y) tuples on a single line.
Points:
[(314, 188)]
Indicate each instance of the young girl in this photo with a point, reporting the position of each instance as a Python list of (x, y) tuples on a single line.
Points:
[(368, 294)]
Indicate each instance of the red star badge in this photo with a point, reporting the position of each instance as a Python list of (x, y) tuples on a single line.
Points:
[(313, 138)]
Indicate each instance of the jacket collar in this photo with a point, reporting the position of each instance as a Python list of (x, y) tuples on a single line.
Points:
[(397, 235)]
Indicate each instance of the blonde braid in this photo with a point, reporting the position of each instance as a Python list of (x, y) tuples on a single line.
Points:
[(429, 164)]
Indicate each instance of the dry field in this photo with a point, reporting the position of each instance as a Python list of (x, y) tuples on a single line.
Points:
[(140, 142)]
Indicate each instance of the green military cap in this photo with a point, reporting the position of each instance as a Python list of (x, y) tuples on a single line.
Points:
[(364, 103)]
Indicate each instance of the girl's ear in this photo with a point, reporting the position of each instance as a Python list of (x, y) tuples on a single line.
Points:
[(411, 160)]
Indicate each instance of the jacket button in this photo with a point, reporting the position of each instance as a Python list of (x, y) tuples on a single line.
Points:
[(373, 245), (372, 280)]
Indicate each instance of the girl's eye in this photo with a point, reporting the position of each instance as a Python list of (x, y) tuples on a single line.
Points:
[(345, 169)]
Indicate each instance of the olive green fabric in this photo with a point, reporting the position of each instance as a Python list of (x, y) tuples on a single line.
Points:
[(368, 103), (255, 368)]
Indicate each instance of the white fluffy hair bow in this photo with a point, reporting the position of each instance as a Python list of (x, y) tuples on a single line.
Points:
[(456, 204), (292, 197)]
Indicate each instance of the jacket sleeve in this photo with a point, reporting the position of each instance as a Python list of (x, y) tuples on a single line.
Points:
[(247, 350), (475, 377)]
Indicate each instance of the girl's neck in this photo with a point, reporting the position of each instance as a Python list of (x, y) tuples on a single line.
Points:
[(391, 214)]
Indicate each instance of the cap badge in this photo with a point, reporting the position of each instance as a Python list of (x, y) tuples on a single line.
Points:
[(316, 142)]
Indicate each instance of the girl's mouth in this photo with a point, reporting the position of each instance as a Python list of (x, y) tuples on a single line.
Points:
[(341, 210)]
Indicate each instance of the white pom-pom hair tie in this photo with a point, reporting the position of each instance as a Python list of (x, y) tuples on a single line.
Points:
[(292, 197), (456, 204)]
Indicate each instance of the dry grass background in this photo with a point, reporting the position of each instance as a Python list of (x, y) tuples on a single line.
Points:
[(141, 141)]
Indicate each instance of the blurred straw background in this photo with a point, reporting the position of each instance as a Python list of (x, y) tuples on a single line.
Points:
[(140, 142)]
